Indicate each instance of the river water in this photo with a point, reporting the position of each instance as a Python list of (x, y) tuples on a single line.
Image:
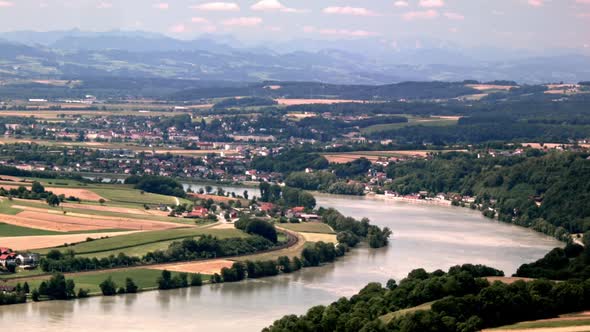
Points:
[(424, 236)]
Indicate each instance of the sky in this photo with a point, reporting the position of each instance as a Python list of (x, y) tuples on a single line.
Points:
[(533, 24)]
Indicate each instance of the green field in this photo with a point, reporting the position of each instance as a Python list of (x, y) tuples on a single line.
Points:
[(548, 324), (134, 196), (412, 121), (136, 251), (7, 230), (143, 278), (42, 205), (11, 230), (126, 243), (309, 227), (392, 315)]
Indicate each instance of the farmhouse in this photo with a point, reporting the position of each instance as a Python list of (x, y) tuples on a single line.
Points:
[(198, 212)]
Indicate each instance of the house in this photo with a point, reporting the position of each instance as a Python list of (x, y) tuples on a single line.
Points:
[(8, 259), (265, 207), (27, 260), (198, 212)]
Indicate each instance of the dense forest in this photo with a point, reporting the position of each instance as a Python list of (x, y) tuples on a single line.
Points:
[(571, 262), (460, 300), (546, 192)]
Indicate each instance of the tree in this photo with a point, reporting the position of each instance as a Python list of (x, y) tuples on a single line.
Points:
[(196, 279), (130, 286), (108, 287), (101, 201), (82, 293), (37, 188), (35, 295), (53, 200), (165, 280), (26, 288), (262, 228)]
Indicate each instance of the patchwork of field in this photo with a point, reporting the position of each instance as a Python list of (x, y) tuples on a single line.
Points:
[(433, 121), (83, 194), (567, 323), (319, 237), (114, 245), (291, 102), (55, 220), (205, 267), (373, 156), (309, 227), (46, 241), (488, 87)]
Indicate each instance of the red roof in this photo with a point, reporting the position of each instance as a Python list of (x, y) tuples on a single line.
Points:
[(5, 250), (266, 206), (7, 256), (198, 212), (298, 209)]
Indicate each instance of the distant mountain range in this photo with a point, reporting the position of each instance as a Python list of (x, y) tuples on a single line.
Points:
[(74, 53)]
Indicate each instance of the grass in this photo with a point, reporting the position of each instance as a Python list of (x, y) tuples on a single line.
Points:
[(11, 230), (21, 273), (412, 121), (127, 242), (81, 210), (137, 251), (392, 315), (309, 227), (7, 230), (135, 196), (144, 278), (6, 208), (547, 324)]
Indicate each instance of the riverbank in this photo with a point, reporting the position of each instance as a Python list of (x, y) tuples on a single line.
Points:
[(430, 237)]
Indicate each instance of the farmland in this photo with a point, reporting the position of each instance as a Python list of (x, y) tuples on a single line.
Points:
[(128, 242), (433, 121)]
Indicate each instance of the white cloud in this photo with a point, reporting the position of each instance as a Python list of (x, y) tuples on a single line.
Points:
[(356, 11), (4, 4), (420, 15), (273, 5), (401, 4), (536, 3), (339, 32), (273, 28), (104, 5), (178, 28), (161, 5), (432, 3), (243, 21), (218, 7), (199, 20), (454, 16)]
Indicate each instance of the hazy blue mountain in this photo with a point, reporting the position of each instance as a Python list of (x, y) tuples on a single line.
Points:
[(367, 61)]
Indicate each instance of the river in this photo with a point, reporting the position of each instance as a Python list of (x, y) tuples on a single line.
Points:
[(424, 236)]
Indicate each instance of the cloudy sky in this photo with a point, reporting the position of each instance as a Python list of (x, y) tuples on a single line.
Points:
[(535, 24)]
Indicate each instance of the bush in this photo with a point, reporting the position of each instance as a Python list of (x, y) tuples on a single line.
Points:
[(196, 279), (108, 287), (130, 286)]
